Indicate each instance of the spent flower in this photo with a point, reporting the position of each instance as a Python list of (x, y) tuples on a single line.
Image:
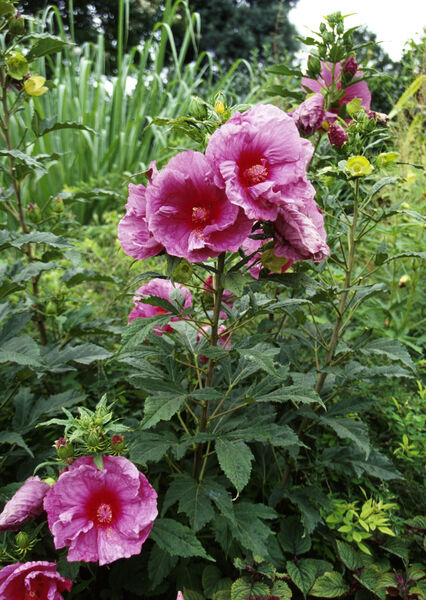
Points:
[(26, 504), (32, 581), (34, 85)]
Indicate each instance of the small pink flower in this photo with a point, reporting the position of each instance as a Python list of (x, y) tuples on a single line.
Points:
[(300, 233), (258, 154), (337, 135), (162, 288), (32, 581), (179, 596), (356, 90), (190, 214), (26, 504), (101, 515), (309, 115), (136, 239)]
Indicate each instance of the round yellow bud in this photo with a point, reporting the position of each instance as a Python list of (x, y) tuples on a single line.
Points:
[(358, 166), (219, 107), (34, 85)]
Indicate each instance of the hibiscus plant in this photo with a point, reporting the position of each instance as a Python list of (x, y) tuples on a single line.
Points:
[(242, 353)]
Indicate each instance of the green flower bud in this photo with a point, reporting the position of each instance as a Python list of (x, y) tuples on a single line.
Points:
[(323, 27), (51, 308), (17, 65), (58, 205), (340, 28), (64, 449), (117, 444), (22, 540), (220, 103), (198, 108), (34, 213), (314, 66), (16, 25)]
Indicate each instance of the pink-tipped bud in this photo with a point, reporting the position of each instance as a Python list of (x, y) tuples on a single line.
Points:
[(117, 443), (337, 135), (61, 442), (64, 449), (350, 66)]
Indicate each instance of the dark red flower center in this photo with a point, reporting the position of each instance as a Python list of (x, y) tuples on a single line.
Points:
[(103, 508), (104, 514), (255, 174), (200, 216), (31, 595)]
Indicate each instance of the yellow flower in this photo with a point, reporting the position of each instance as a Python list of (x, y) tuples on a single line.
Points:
[(359, 166), (34, 86)]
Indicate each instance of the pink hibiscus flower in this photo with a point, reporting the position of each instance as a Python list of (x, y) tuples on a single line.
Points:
[(300, 233), (162, 288), (189, 214), (26, 504), (309, 115), (101, 515), (31, 581), (258, 154), (135, 238), (355, 90)]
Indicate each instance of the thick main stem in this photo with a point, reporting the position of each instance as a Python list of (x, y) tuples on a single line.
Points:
[(218, 292), (341, 309)]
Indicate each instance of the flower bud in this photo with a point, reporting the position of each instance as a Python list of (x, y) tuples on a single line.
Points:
[(340, 28), (58, 205), (117, 443), (198, 108), (403, 281), (359, 166), (16, 25), (34, 85), (219, 103), (34, 213), (337, 135), (51, 308), (386, 158), (350, 65), (17, 65), (314, 66), (64, 449), (22, 540)]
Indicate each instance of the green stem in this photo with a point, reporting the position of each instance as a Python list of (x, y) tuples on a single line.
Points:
[(218, 292)]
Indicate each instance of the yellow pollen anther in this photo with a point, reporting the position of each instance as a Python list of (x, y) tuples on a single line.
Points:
[(104, 514), (255, 174)]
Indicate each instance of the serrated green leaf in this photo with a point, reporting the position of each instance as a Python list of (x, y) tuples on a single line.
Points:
[(161, 407), (350, 557), (302, 574), (396, 546), (245, 588), (45, 44), (14, 439), (235, 282), (160, 564), (417, 522), (281, 590), (292, 537), (33, 269), (177, 540), (41, 237), (137, 330), (381, 184), (293, 393), (22, 350), (389, 348), (249, 529), (346, 428), (329, 585), (151, 447), (235, 459), (192, 498), (25, 159), (46, 126), (85, 354), (370, 578)]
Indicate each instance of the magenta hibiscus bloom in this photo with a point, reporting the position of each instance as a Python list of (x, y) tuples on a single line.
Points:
[(31, 581), (26, 504), (162, 288), (258, 154), (101, 515), (189, 214), (135, 238), (309, 115), (355, 90), (300, 233)]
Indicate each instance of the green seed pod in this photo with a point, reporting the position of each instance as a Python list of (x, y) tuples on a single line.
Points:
[(17, 65), (198, 108), (64, 449), (22, 540), (51, 308)]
